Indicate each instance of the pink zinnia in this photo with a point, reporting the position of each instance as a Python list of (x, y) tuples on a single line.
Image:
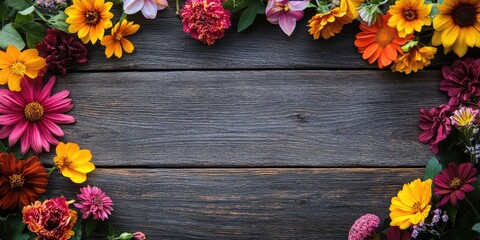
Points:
[(435, 125), (32, 114), (95, 202), (452, 183), (205, 20), (462, 81), (364, 227)]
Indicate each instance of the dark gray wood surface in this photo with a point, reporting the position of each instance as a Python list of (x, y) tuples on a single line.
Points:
[(259, 136)]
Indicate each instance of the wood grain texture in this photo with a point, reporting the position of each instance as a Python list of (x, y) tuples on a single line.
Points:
[(269, 203), (162, 44), (251, 118)]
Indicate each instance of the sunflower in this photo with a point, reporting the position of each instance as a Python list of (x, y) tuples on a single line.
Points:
[(330, 23), (415, 59), (89, 18), (380, 42), (409, 15), (412, 204), (115, 42), (457, 26), (15, 65)]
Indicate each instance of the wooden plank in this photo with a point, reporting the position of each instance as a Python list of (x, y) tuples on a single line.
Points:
[(272, 203), (162, 44), (251, 118)]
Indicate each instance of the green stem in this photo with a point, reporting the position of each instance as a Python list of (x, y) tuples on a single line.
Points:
[(473, 208), (41, 15), (123, 17), (52, 169), (178, 6)]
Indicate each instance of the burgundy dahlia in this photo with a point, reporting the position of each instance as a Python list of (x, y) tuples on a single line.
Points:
[(395, 233), (205, 20), (452, 183), (462, 81), (435, 125), (62, 51)]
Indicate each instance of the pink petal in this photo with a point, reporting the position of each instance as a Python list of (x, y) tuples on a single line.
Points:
[(52, 127), (47, 90), (60, 106), (25, 141), (298, 5), (55, 98), (273, 16), (132, 6), (36, 139), (60, 118), (5, 131), (287, 24), (161, 4), (149, 9), (10, 119), (17, 132)]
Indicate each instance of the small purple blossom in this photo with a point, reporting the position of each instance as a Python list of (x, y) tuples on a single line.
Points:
[(445, 217), (415, 233), (285, 13), (437, 211)]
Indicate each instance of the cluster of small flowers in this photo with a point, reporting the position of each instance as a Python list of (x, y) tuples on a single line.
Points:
[(50, 3), (423, 227)]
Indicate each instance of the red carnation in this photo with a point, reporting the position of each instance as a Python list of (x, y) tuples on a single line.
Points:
[(205, 20), (462, 81), (61, 51), (435, 125)]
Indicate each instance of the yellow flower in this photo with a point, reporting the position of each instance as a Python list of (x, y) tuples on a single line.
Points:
[(457, 26), (412, 204), (415, 59), (15, 65), (89, 18), (73, 162), (409, 15), (330, 23), (352, 6), (464, 117), (115, 42)]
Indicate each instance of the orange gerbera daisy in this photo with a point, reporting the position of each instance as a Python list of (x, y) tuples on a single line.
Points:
[(115, 42), (380, 42), (330, 23), (409, 15), (15, 65), (415, 59), (89, 18)]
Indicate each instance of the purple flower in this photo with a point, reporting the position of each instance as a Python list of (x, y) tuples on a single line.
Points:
[(364, 227), (95, 202), (285, 13), (435, 126), (462, 81), (452, 183), (149, 7)]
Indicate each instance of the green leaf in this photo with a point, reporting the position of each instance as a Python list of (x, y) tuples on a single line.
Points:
[(12, 227), (409, 45), (34, 31), (78, 231), (261, 8), (21, 19), (18, 4), (235, 5), (6, 12), (58, 22), (247, 17), (476, 227), (111, 230), (433, 168), (10, 36), (452, 214), (28, 10), (2, 147), (90, 226), (311, 5)]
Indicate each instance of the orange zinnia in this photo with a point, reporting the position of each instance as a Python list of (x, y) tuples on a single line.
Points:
[(380, 42), (115, 42), (21, 181)]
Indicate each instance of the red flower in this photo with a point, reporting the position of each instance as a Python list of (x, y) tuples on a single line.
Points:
[(394, 233), (452, 183), (435, 125), (62, 51), (462, 81), (205, 20)]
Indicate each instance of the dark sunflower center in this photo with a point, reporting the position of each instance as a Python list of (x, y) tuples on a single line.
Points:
[(64, 162), (455, 183), (464, 14), (92, 17), (16, 181), (33, 112), (409, 14)]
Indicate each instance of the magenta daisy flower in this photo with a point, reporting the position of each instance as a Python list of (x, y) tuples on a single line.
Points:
[(32, 114), (95, 202), (452, 183)]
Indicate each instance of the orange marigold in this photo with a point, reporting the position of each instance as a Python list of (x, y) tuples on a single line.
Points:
[(380, 42), (415, 59), (116, 42)]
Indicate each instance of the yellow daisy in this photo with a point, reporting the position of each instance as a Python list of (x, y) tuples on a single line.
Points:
[(15, 65), (72, 162), (415, 59), (457, 25), (412, 204), (409, 15), (115, 42), (330, 23), (89, 18)]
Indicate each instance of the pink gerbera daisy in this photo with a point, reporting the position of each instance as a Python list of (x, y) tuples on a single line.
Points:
[(95, 202), (32, 114)]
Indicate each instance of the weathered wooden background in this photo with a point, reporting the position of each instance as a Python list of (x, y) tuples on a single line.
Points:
[(258, 136)]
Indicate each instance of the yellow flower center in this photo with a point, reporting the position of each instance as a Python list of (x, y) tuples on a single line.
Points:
[(16, 181), (455, 183), (464, 14), (19, 68), (409, 14), (92, 17), (385, 36), (64, 162), (417, 207), (33, 112), (118, 36)]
